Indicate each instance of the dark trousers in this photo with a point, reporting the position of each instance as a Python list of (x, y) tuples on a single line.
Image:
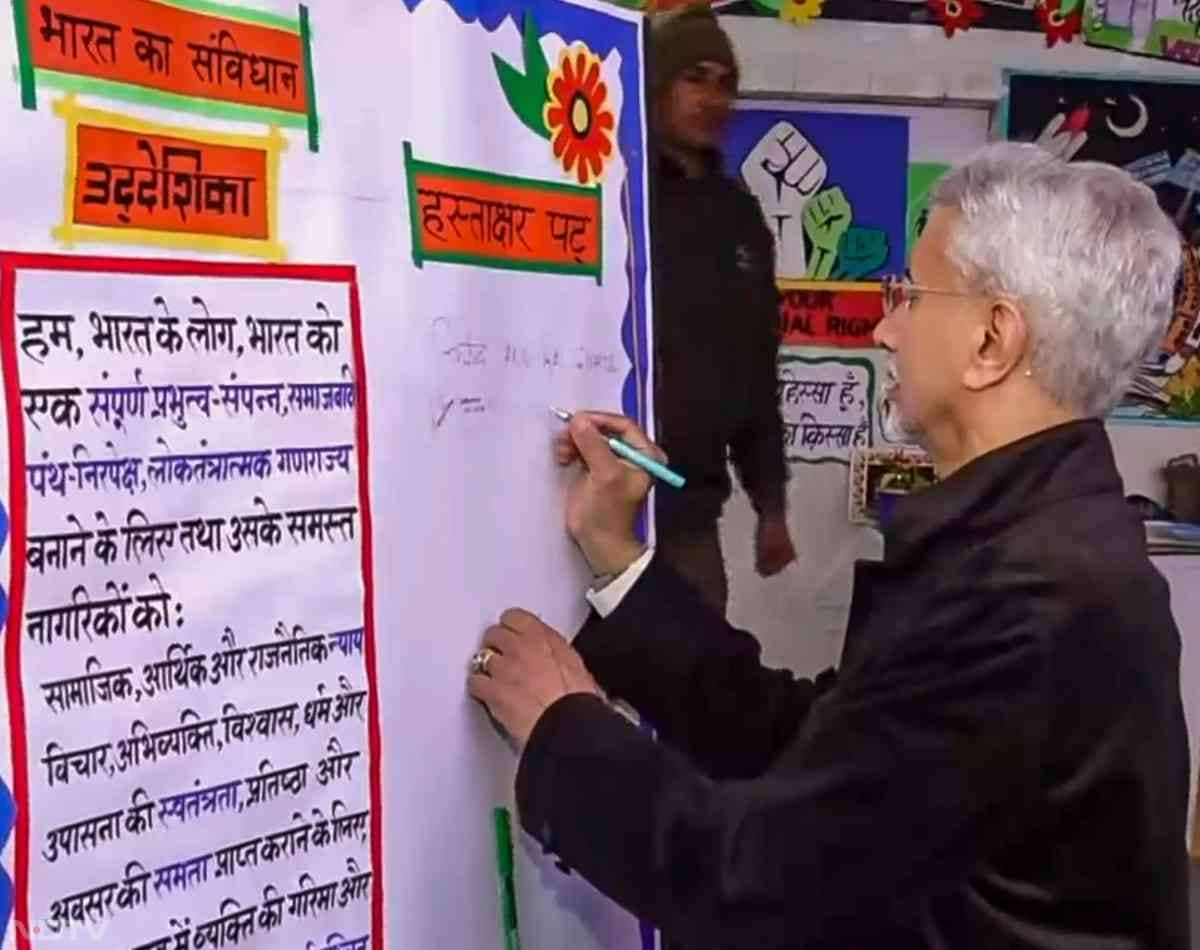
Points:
[(695, 554)]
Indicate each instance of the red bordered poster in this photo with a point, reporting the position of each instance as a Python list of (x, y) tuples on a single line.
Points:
[(195, 735)]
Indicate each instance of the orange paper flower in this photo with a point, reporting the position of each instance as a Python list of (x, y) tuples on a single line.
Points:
[(1058, 26), (577, 116), (956, 14)]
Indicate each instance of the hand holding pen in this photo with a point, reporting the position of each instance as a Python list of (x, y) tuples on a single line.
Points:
[(630, 454), (603, 503)]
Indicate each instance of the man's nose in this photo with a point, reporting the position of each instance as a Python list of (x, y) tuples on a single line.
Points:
[(883, 334)]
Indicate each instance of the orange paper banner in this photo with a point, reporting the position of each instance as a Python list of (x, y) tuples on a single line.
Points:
[(124, 179), (465, 216), (132, 181), (135, 49)]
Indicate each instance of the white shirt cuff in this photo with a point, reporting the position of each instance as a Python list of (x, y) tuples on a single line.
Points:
[(609, 598)]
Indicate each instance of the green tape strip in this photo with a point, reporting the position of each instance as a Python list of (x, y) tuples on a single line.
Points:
[(314, 122), (242, 14), (410, 175), (497, 178), (504, 869), (170, 100), (24, 55), (503, 263)]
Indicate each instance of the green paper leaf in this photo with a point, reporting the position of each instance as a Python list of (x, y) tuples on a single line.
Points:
[(536, 67), (524, 98), (526, 92), (1067, 7)]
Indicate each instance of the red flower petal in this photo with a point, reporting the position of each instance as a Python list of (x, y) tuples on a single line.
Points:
[(556, 116), (572, 154), (599, 96), (604, 120), (567, 71), (559, 89), (967, 13), (603, 145), (561, 141), (1057, 27), (592, 79)]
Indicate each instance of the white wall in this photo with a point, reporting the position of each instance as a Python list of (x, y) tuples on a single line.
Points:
[(800, 615)]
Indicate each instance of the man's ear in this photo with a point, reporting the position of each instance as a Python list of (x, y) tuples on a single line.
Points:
[(999, 345)]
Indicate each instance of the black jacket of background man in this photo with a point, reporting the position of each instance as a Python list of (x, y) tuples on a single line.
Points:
[(1001, 762), (716, 319)]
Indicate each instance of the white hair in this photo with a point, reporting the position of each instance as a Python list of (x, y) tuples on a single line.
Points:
[(1082, 248)]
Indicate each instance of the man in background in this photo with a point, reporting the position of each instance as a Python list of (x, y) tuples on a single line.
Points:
[(716, 313)]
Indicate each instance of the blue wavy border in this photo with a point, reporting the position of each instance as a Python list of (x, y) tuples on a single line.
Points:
[(8, 811)]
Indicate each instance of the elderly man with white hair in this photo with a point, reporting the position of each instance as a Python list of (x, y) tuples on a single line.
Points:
[(1000, 760)]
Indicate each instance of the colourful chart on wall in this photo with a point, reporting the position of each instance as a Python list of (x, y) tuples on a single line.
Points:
[(922, 180), (833, 187), (1164, 29), (1152, 129), (828, 406), (286, 292)]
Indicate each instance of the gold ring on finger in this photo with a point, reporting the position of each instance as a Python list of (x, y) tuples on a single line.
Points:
[(479, 662)]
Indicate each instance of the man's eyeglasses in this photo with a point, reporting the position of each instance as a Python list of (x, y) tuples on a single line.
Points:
[(899, 291)]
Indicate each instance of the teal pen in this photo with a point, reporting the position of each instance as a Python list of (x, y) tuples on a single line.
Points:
[(630, 454)]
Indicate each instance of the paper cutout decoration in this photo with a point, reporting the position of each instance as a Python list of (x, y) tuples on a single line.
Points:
[(578, 116), (1060, 20), (955, 15), (800, 12), (526, 91), (567, 105)]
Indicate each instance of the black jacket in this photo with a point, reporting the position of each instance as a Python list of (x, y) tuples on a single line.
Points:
[(716, 320), (1001, 763)]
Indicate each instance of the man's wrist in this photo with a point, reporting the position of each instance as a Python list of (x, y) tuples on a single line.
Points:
[(607, 597), (609, 561)]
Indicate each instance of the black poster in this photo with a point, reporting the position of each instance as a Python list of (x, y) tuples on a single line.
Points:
[(1146, 127), (1151, 129)]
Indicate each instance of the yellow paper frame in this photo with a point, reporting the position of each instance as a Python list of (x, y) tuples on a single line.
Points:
[(69, 234), (787, 283)]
